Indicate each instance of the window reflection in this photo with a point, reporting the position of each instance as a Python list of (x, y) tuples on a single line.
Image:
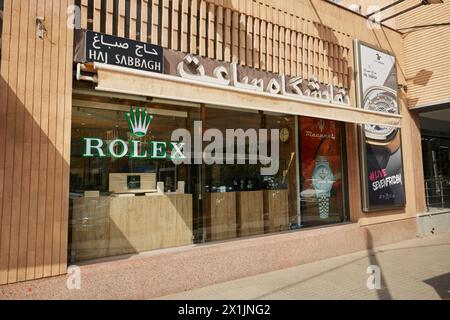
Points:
[(130, 205)]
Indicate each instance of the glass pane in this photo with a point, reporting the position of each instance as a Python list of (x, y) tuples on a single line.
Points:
[(239, 179), (322, 188), (115, 206), (238, 200)]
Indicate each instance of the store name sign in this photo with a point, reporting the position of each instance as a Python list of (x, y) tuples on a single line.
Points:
[(123, 52), (189, 150), (138, 122), (309, 90)]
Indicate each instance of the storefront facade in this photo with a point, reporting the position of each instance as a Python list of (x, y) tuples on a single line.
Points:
[(236, 128)]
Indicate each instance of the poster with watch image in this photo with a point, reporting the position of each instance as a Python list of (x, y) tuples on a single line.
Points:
[(380, 146), (321, 184)]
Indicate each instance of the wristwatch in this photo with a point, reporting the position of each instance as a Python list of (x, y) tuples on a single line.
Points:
[(323, 181), (381, 99)]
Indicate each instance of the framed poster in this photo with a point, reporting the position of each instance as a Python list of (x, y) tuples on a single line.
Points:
[(380, 146), (321, 167)]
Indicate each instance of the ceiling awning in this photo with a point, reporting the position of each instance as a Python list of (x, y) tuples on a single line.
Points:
[(128, 81)]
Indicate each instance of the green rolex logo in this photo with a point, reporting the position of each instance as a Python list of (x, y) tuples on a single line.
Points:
[(138, 121)]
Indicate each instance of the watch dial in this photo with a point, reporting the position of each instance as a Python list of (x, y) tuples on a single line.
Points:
[(323, 179), (382, 101)]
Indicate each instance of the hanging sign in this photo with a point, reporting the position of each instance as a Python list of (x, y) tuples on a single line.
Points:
[(381, 149)]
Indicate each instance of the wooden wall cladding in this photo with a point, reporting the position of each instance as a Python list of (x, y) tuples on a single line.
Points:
[(427, 53), (252, 33), (35, 116)]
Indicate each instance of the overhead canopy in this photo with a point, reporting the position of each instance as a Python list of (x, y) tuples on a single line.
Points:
[(129, 81)]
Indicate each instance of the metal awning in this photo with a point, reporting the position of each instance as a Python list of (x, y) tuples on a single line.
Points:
[(128, 81)]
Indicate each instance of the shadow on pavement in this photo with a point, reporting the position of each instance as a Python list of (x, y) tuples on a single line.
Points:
[(441, 284)]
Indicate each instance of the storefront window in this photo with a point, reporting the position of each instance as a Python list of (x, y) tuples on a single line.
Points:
[(322, 175), (238, 200), (115, 205), (128, 195)]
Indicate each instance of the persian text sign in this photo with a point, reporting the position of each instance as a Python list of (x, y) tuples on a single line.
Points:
[(122, 52)]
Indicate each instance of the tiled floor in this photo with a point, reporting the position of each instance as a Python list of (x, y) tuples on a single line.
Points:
[(414, 269)]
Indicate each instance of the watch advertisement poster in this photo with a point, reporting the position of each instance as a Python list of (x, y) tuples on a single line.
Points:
[(381, 149), (321, 191)]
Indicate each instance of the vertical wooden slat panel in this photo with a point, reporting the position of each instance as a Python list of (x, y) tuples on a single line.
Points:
[(256, 34), (311, 54), (341, 66), (59, 141), (235, 31), (287, 50), (193, 35), (282, 45), (66, 151), (305, 68), (346, 73), (250, 44), (97, 13), (4, 74), (269, 46), (256, 43), (133, 14), (35, 154), (164, 24), (121, 26), (227, 35), (27, 143), (293, 53), (219, 33), (8, 176), (330, 57), (155, 21), (321, 57), (4, 90), (175, 25), (203, 22), (184, 26), (109, 16), (43, 152), (18, 55), (276, 45), (144, 22), (326, 66), (211, 33), (84, 14), (51, 161), (242, 38), (299, 70), (316, 57), (263, 44), (335, 64)]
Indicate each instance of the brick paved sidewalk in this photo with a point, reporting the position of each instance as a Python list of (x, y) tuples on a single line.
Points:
[(414, 269)]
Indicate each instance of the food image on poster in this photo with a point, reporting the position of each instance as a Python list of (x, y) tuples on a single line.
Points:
[(381, 151), (321, 188)]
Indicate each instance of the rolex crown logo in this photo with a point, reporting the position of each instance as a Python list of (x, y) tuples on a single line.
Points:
[(138, 120)]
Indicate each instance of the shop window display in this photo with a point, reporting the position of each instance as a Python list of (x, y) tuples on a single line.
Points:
[(126, 198), (322, 175)]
